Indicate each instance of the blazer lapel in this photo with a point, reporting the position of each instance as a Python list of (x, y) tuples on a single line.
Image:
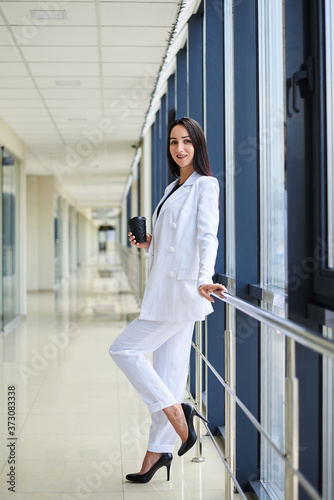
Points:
[(171, 186), (179, 193)]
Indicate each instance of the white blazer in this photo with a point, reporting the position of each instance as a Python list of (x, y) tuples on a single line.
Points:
[(182, 252)]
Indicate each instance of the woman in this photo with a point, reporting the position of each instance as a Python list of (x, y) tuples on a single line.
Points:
[(182, 253)]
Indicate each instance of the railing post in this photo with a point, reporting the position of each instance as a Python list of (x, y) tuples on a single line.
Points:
[(291, 422), (198, 391), (230, 377)]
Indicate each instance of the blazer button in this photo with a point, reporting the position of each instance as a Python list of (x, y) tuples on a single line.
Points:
[(171, 250), (170, 274), (173, 225)]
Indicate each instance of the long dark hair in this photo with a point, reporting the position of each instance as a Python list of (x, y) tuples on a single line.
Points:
[(201, 156)]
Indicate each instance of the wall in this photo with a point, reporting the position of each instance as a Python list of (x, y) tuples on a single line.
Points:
[(14, 145), (40, 249), (40, 230)]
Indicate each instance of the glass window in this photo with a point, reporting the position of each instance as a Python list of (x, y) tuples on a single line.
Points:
[(229, 144), (328, 420), (329, 21), (10, 260), (58, 228), (272, 225)]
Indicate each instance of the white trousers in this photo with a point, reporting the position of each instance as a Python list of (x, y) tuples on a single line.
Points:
[(162, 384)]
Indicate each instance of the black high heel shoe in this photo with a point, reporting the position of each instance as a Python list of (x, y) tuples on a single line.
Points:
[(190, 412), (164, 460)]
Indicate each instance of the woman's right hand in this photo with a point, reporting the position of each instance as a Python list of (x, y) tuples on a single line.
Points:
[(145, 244)]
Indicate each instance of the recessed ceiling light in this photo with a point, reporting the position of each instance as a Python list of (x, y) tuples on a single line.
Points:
[(77, 119), (48, 14), (68, 83)]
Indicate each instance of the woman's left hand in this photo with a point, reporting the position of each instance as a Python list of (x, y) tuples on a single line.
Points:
[(205, 290)]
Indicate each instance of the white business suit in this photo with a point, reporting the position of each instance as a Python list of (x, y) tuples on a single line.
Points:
[(182, 255)]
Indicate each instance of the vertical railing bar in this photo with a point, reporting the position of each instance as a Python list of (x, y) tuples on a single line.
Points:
[(220, 453), (302, 480), (230, 371), (227, 416), (206, 368), (291, 422), (198, 390)]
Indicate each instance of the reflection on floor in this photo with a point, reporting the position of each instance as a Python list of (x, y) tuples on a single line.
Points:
[(79, 426)]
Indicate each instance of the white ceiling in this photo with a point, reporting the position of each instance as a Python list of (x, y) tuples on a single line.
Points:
[(77, 90)]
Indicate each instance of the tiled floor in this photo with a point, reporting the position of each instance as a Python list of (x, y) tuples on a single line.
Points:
[(80, 427)]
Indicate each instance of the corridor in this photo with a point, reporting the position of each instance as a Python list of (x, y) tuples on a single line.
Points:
[(79, 426)]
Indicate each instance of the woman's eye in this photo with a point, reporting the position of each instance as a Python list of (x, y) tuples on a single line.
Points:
[(172, 143), (187, 141)]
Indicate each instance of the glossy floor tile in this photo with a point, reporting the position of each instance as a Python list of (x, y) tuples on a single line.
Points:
[(79, 425)]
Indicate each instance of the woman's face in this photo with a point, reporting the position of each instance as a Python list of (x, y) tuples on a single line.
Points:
[(181, 147)]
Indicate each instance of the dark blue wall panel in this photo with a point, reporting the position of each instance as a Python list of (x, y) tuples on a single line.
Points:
[(181, 83), (159, 154), (215, 140), (195, 65), (155, 146), (171, 113), (163, 142), (128, 212), (302, 141), (246, 210)]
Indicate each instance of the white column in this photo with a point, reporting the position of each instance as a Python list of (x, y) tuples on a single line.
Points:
[(32, 248), (46, 280), (23, 238), (146, 176), (65, 238)]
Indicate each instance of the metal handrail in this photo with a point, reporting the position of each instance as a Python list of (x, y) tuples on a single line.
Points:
[(229, 470), (303, 481), (296, 332)]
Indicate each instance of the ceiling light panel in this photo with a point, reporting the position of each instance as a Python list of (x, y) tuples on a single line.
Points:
[(86, 120), (77, 120), (68, 83), (39, 14)]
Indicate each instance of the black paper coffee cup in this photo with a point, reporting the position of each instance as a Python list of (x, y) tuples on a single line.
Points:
[(138, 228)]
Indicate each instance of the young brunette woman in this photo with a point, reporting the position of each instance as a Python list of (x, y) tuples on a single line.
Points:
[(182, 253)]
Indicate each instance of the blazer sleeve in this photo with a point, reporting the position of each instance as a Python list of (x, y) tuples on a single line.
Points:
[(207, 228)]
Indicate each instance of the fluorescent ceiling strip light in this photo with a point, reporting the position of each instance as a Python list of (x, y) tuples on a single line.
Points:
[(48, 14)]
